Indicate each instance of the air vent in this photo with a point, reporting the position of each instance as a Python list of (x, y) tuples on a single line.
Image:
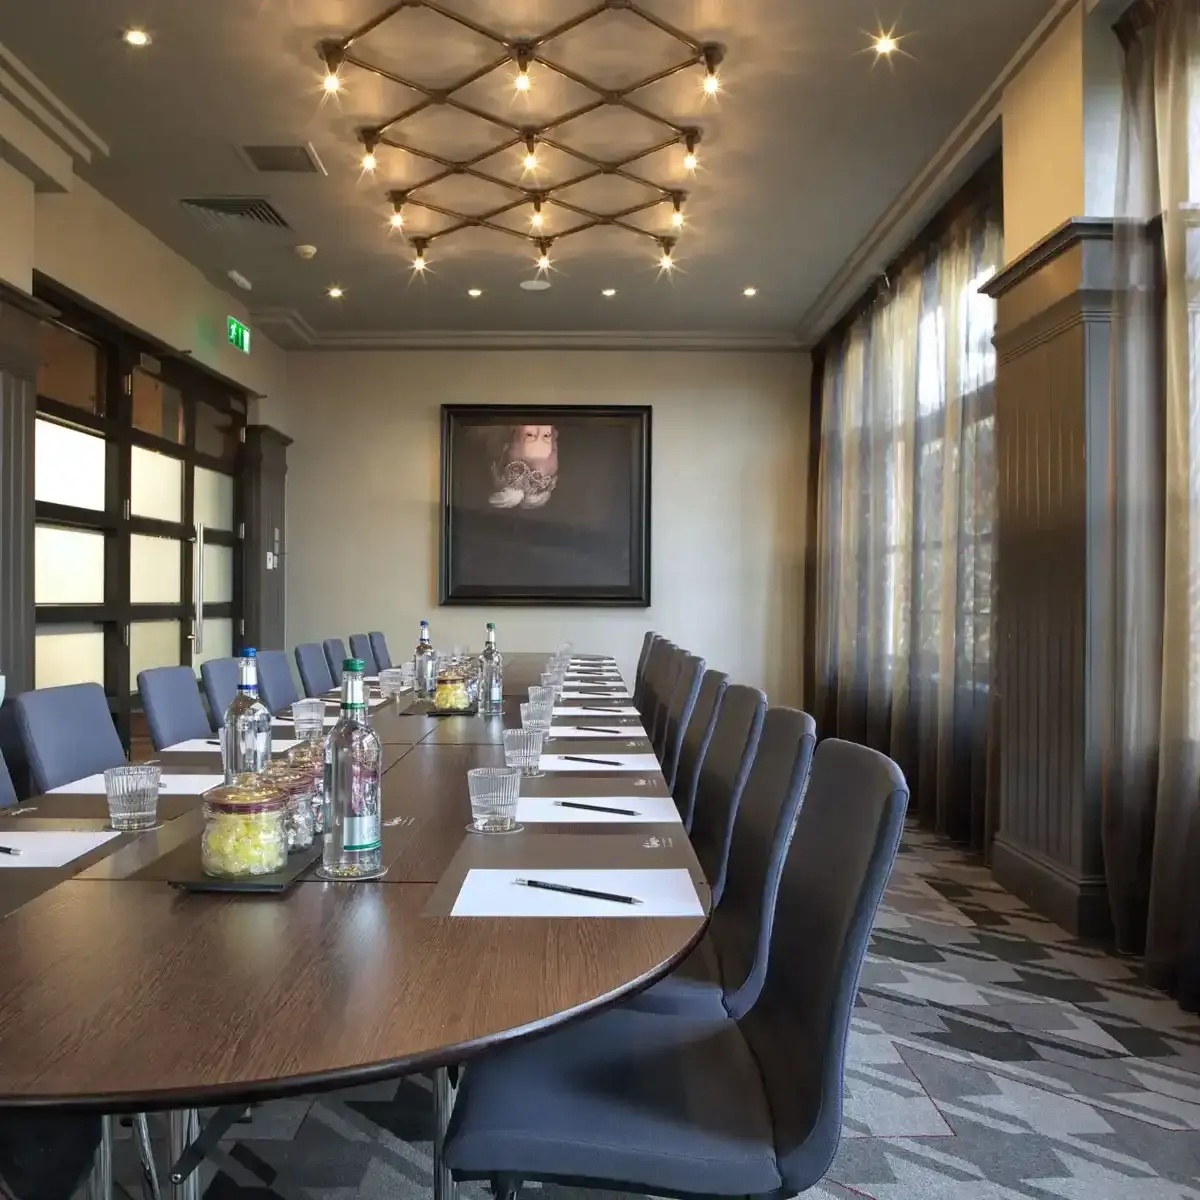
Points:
[(231, 213), (284, 160)]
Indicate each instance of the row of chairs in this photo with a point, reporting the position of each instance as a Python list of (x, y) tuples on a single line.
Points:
[(726, 1077)]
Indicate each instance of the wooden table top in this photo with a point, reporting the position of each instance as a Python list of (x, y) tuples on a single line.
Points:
[(119, 992)]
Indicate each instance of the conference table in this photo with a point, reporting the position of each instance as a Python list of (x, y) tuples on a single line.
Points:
[(120, 993)]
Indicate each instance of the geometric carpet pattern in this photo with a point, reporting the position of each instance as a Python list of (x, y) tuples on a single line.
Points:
[(992, 1057)]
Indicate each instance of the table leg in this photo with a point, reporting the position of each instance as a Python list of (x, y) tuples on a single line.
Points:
[(141, 1134), (183, 1128), (100, 1182), (444, 1187)]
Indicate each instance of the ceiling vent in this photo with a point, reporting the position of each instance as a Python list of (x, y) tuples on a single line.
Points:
[(284, 160), (232, 214)]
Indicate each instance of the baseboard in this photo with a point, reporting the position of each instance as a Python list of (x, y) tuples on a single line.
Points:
[(1078, 903)]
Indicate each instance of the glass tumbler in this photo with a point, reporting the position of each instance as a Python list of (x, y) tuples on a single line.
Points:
[(541, 695), (133, 795), (536, 716), (391, 683), (554, 679), (308, 717), (523, 748), (494, 792)]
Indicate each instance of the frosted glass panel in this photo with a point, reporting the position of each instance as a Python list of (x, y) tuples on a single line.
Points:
[(68, 654), (156, 487), (68, 566), (214, 499), (218, 642), (154, 570), (218, 574), (68, 466), (152, 644)]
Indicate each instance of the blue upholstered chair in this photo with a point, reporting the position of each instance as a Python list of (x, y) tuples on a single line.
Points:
[(8, 793), (335, 655), (670, 1105), (220, 679), (68, 733), (314, 670), (654, 681), (379, 647), (360, 647), (696, 736), (679, 712), (276, 684), (639, 676), (171, 701), (723, 775), (725, 973)]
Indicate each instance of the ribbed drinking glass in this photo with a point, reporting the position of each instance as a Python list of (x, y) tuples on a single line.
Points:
[(494, 793), (523, 748), (133, 795), (308, 719)]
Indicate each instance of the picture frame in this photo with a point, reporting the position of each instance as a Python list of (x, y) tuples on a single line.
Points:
[(545, 504)]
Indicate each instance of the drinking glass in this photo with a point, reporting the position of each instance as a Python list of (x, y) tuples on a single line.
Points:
[(408, 674), (541, 695), (494, 792), (537, 716), (391, 682), (132, 792), (523, 748), (308, 718), (555, 680)]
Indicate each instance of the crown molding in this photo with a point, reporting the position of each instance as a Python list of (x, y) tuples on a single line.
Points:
[(962, 152), (291, 328)]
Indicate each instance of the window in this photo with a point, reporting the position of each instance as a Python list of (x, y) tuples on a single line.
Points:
[(70, 368)]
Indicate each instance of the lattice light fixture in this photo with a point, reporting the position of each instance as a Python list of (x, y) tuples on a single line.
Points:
[(527, 140)]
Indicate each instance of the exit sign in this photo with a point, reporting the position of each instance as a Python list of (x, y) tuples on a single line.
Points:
[(239, 335)]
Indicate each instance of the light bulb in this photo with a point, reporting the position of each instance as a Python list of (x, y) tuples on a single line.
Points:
[(712, 84), (521, 82), (474, 293), (609, 292), (750, 291), (537, 220), (369, 162), (137, 37), (543, 262), (885, 44), (397, 220), (690, 161), (332, 83), (335, 293), (677, 219), (666, 262), (531, 161), (418, 263)]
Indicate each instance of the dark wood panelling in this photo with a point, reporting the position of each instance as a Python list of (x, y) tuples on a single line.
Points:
[(1052, 448), (264, 479)]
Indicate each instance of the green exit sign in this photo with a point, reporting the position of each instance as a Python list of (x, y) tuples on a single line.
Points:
[(239, 335)]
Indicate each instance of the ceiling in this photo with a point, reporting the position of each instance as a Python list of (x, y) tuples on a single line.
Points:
[(810, 140)]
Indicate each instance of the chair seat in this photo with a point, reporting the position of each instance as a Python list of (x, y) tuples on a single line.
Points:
[(652, 1101), (692, 990)]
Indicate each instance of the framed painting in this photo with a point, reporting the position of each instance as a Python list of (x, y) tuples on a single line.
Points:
[(545, 504)]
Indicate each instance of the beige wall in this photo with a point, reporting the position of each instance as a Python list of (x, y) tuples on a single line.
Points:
[(16, 228), (728, 495)]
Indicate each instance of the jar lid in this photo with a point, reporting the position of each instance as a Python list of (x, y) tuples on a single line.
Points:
[(247, 794), (289, 779)]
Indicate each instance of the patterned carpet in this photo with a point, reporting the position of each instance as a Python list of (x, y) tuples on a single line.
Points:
[(992, 1057)]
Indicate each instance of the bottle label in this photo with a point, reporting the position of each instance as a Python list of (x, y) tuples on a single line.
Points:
[(497, 693), (361, 833)]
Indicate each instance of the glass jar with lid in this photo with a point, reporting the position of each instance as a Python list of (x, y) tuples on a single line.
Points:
[(245, 829), (457, 685), (296, 784), (310, 758)]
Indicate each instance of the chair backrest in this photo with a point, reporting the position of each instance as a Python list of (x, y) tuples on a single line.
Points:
[(68, 733), (833, 880), (276, 683), (696, 736), (640, 675), (314, 670), (679, 712), (360, 647), (335, 655), (220, 678), (664, 689), (652, 681), (379, 647), (8, 793), (722, 778), (171, 701), (740, 928)]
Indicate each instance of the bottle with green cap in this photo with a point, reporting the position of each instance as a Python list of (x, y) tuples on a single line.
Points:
[(491, 676), (353, 768)]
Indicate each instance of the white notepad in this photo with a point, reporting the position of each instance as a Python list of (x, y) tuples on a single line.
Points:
[(624, 762), (492, 893), (612, 710), (602, 696), (370, 703), (573, 731), (172, 785), (288, 723), (543, 809), (44, 848), (605, 660), (205, 746)]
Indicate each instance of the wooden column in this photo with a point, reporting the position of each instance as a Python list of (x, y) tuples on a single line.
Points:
[(264, 480), (1052, 402)]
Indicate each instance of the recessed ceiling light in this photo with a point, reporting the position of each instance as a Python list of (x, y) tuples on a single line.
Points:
[(535, 285), (335, 293), (474, 293), (137, 37), (750, 291), (609, 292)]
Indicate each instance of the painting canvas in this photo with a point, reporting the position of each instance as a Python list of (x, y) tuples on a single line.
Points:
[(545, 504)]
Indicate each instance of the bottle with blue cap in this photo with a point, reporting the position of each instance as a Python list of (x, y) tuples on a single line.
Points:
[(246, 736)]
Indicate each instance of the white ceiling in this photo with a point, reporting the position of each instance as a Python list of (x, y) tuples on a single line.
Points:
[(810, 141)]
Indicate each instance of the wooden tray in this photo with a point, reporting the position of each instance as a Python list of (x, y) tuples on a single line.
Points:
[(183, 871)]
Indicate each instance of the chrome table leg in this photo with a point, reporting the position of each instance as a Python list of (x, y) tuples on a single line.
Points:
[(444, 1187), (141, 1135)]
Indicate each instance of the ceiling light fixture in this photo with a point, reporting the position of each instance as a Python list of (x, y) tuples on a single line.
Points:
[(137, 37), (530, 161), (712, 60), (691, 139), (609, 292), (543, 261), (677, 213), (521, 80), (332, 54), (396, 220), (419, 263), (474, 293), (536, 219), (885, 44), (666, 260), (335, 292), (369, 139), (750, 291)]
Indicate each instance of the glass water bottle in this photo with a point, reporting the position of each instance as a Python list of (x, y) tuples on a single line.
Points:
[(246, 736), (353, 768), (491, 676), (424, 666)]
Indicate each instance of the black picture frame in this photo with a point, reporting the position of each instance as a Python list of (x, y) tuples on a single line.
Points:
[(579, 533)]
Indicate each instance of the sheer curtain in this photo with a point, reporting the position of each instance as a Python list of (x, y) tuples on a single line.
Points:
[(906, 510), (1149, 664)]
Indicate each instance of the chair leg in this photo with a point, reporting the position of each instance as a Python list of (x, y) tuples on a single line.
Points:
[(444, 1187), (505, 1187), (100, 1181), (183, 1128), (141, 1134)]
